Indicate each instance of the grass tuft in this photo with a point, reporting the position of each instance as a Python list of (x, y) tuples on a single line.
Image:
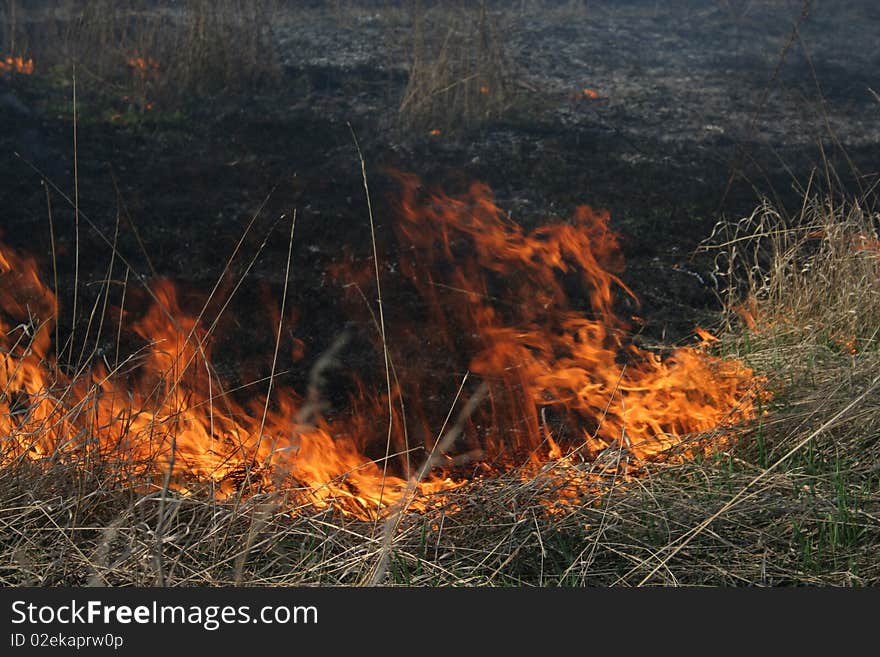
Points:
[(460, 75)]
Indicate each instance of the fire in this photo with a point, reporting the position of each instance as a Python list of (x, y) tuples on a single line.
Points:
[(849, 344), (868, 244), (17, 65), (748, 312), (707, 339), (144, 67), (590, 94), (545, 350), (528, 315)]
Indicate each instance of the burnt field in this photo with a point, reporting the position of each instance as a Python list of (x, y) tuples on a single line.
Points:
[(340, 276)]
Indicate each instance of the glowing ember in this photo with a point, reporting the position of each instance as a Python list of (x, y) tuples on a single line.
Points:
[(529, 314), (867, 244), (144, 67), (706, 338), (748, 312), (17, 65)]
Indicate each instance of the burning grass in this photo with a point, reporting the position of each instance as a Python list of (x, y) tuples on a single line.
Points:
[(811, 523), (559, 377), (792, 501), (18, 65)]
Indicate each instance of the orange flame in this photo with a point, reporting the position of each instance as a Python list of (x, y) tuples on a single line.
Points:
[(849, 344), (144, 67), (17, 65), (529, 313), (169, 417), (706, 338), (547, 350), (748, 312), (869, 244)]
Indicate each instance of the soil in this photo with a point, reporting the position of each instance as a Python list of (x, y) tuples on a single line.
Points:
[(703, 109)]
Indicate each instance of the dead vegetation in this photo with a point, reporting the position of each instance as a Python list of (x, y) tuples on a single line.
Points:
[(792, 500), (460, 74), (811, 279), (146, 52), (729, 520)]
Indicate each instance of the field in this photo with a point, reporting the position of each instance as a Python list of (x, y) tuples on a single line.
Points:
[(439, 293)]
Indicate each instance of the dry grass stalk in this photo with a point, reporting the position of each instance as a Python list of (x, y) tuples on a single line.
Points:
[(460, 74), (814, 277)]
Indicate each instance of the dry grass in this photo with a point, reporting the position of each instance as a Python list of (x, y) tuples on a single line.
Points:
[(803, 300), (794, 500), (804, 524), (460, 74), (148, 52), (813, 279)]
